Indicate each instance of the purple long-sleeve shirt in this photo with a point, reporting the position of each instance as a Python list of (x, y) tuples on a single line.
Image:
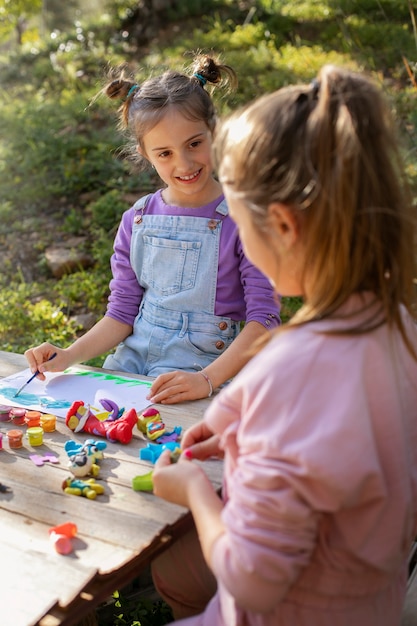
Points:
[(243, 293)]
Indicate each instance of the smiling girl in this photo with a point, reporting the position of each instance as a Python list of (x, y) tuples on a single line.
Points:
[(181, 282)]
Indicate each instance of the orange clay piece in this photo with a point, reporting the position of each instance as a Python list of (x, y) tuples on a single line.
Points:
[(60, 537)]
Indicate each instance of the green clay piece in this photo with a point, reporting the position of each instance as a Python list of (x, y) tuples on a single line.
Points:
[(143, 483)]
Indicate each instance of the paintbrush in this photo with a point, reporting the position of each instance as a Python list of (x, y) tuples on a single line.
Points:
[(32, 377)]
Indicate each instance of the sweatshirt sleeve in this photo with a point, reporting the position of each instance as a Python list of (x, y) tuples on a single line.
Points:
[(125, 291), (270, 534)]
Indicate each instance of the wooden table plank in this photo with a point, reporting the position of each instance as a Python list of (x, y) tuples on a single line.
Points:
[(11, 363)]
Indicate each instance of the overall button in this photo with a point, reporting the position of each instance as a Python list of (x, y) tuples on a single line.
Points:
[(223, 325), (212, 224), (219, 345)]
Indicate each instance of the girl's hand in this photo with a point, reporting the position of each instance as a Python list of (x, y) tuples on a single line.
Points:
[(174, 482), (38, 359), (178, 386), (198, 442)]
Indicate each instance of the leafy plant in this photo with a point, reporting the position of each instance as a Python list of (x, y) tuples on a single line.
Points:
[(83, 289), (289, 306), (24, 323), (74, 222), (139, 611), (107, 210)]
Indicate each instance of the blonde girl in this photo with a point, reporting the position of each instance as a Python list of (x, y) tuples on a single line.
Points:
[(319, 430)]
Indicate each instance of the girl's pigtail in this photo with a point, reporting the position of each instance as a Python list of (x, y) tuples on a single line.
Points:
[(124, 90), (207, 70)]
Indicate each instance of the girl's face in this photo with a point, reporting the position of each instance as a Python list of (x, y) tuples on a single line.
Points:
[(277, 252), (180, 151)]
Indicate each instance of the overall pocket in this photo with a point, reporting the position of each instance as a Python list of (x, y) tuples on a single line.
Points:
[(169, 266)]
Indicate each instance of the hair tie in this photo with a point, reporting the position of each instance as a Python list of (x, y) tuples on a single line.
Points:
[(315, 88), (200, 78), (308, 194), (132, 90)]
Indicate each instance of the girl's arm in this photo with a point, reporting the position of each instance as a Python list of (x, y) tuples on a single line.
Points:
[(104, 336), (186, 484), (123, 306), (180, 386)]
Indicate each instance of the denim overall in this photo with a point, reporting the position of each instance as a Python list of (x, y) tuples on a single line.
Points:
[(175, 259)]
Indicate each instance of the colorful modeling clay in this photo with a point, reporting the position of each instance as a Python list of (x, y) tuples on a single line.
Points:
[(83, 465), (60, 537), (173, 435), (84, 457), (80, 418), (155, 429), (149, 415), (151, 424), (112, 409), (153, 451), (46, 458), (92, 447), (143, 483), (87, 488)]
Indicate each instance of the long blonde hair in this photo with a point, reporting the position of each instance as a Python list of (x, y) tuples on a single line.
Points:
[(329, 151)]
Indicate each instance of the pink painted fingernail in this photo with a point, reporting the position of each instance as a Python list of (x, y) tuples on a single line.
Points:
[(188, 453)]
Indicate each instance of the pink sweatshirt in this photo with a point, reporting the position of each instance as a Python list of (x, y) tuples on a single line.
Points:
[(320, 485)]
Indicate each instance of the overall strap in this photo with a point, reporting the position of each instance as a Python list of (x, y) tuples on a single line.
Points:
[(140, 205), (222, 208)]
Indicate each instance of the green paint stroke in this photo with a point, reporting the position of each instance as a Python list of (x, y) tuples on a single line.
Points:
[(117, 380)]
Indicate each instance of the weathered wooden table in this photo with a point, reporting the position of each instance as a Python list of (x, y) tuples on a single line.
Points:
[(118, 533)]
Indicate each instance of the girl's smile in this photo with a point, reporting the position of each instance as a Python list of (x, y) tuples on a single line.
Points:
[(190, 179)]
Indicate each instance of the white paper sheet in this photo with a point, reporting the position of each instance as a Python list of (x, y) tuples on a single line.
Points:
[(61, 389)]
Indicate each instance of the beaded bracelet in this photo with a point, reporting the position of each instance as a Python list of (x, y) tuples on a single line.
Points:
[(209, 383)]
